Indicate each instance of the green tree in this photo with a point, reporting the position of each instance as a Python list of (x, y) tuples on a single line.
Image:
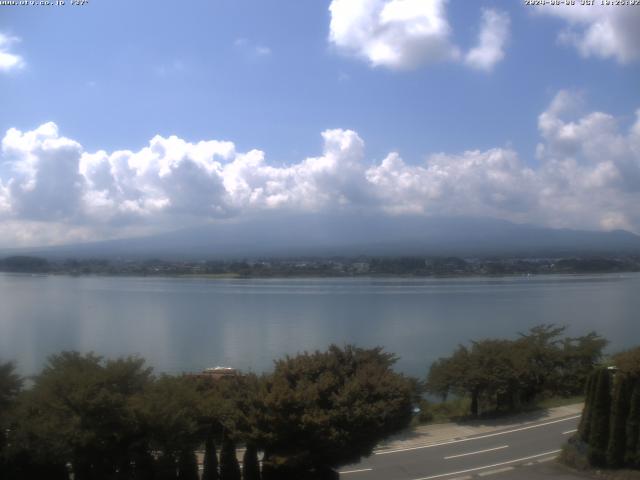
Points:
[(144, 466), (579, 356), (326, 409), (444, 373), (210, 464), (229, 467), (507, 374), (187, 465), (617, 429), (585, 420), (166, 467), (10, 385), (79, 411), (457, 374), (169, 412), (542, 357), (599, 430), (632, 451), (250, 465), (628, 362), (490, 371), (230, 407)]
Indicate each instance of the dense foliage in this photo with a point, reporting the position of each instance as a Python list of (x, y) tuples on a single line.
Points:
[(330, 408), (10, 385), (113, 419), (609, 429), (507, 374)]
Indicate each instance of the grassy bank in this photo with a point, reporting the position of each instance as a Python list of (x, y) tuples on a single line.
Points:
[(457, 409)]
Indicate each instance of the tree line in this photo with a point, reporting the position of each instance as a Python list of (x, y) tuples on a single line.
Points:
[(114, 419), (506, 375), (110, 419), (323, 266)]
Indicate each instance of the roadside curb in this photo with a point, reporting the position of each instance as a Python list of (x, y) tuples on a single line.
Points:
[(430, 435)]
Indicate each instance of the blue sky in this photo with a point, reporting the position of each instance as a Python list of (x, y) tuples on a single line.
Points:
[(272, 76)]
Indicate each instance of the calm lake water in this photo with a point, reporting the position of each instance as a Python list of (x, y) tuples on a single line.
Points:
[(189, 324)]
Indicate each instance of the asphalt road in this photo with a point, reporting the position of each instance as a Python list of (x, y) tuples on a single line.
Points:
[(497, 453)]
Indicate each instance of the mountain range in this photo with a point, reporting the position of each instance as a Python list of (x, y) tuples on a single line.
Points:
[(352, 235)]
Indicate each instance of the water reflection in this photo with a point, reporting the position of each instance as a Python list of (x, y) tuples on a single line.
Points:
[(188, 324)]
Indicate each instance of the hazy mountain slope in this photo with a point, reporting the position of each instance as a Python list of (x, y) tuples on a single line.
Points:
[(321, 235)]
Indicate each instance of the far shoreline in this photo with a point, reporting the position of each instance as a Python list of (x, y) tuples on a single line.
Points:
[(231, 276)]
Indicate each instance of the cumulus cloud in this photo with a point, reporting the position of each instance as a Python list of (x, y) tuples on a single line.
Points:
[(494, 33), (591, 167), (404, 34), (398, 34), (476, 183), (587, 175), (8, 60), (45, 183), (600, 30)]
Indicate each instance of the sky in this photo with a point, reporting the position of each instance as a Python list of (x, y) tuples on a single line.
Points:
[(122, 118)]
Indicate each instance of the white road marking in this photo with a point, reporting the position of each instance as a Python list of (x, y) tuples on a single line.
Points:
[(570, 431), (548, 459), (355, 471), (449, 442), (475, 453), (497, 470), (489, 466)]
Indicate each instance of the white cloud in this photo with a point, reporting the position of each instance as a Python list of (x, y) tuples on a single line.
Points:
[(587, 176), (399, 34), (601, 31), (492, 183), (45, 183), (494, 33), (590, 166), (405, 34), (8, 60)]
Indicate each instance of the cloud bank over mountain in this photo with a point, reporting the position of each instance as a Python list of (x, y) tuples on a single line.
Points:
[(586, 175)]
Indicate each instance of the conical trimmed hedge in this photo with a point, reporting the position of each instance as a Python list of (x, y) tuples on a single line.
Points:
[(250, 465), (632, 451), (229, 466), (619, 413), (599, 422), (210, 464), (585, 420), (187, 465)]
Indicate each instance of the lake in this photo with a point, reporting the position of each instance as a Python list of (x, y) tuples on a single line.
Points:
[(187, 324)]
